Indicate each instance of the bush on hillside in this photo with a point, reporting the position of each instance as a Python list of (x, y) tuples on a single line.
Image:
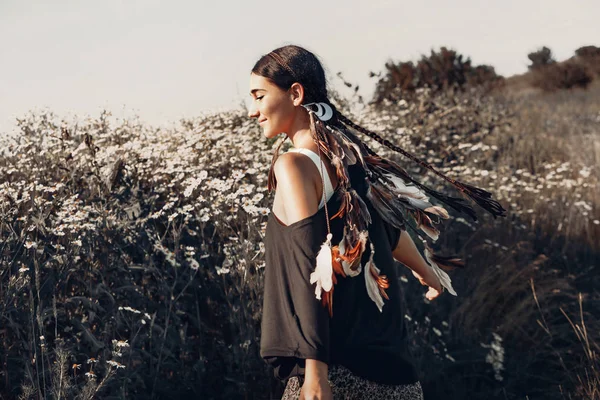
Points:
[(482, 75), (443, 69), (541, 58), (588, 51), (590, 57), (440, 71), (567, 75)]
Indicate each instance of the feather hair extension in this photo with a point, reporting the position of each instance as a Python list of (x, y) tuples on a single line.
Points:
[(382, 166), (353, 254), (406, 190), (336, 262), (382, 282), (344, 260), (439, 211), (324, 268), (480, 196), (346, 153), (443, 276), (361, 205), (345, 199), (353, 147), (425, 224), (415, 197), (447, 263), (327, 300), (395, 195), (371, 282), (385, 204)]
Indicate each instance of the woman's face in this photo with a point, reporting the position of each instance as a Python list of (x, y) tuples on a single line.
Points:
[(273, 107)]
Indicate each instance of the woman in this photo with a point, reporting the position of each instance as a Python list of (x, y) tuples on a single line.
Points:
[(336, 196)]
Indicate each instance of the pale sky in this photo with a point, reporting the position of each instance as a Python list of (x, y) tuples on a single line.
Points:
[(169, 59)]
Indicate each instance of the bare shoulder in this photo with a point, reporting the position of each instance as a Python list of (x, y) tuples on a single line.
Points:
[(291, 163), (296, 185)]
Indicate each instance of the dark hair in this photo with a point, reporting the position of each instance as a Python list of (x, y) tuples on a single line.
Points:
[(299, 65)]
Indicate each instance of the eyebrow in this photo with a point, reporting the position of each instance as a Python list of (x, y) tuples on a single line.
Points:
[(256, 90)]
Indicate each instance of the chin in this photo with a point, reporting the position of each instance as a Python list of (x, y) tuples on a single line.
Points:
[(269, 134)]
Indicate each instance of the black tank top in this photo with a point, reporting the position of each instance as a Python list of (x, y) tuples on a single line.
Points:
[(295, 326)]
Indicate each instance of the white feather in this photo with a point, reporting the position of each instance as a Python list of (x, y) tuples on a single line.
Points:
[(437, 210), (363, 235), (371, 283), (323, 269), (336, 161), (441, 274), (418, 203), (407, 190), (433, 233)]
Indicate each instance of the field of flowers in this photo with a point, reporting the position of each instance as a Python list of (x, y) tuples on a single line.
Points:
[(131, 257)]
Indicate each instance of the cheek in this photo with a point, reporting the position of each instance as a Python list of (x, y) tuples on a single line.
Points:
[(269, 111), (270, 114)]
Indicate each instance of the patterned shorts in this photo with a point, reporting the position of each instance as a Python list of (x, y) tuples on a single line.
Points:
[(347, 386)]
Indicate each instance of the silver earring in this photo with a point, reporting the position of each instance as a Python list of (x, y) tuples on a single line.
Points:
[(324, 111)]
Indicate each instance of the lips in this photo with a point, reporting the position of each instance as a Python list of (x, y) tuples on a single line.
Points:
[(260, 122)]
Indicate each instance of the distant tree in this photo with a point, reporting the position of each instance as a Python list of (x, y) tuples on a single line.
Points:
[(540, 58)]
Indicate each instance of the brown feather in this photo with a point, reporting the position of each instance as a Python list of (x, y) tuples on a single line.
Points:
[(336, 264), (448, 263)]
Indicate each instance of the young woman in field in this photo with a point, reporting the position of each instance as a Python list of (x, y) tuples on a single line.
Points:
[(338, 221)]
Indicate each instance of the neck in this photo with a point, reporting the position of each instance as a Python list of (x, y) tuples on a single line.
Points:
[(299, 133)]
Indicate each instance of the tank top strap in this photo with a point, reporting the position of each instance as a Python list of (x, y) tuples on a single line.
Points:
[(318, 162)]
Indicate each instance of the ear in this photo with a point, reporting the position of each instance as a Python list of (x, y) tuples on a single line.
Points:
[(297, 93)]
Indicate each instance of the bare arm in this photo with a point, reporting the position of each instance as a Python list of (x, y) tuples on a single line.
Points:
[(407, 253), (316, 384), (300, 200)]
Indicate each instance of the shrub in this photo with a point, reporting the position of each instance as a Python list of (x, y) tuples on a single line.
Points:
[(588, 51), (443, 69), (565, 75), (541, 58), (439, 71), (590, 57)]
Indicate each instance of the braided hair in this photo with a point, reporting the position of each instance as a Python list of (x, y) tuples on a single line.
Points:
[(393, 193)]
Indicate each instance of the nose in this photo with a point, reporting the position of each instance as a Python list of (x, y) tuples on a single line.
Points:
[(252, 112)]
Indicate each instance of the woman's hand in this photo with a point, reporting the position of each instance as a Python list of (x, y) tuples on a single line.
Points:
[(430, 279), (316, 389)]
